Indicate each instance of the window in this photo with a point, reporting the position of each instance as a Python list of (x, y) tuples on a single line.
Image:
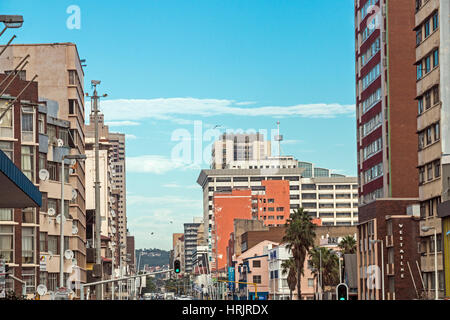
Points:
[(427, 64), (420, 105), (437, 134), (437, 168), (435, 58), (53, 244), (427, 28), (421, 175), (342, 187), (28, 215), (42, 241), (326, 205), (29, 277), (6, 214), (309, 196), (326, 187), (257, 279), (435, 21), (430, 172), (428, 99), (326, 196), (418, 36), (6, 122), (27, 245), (41, 123), (256, 263), (63, 134), (42, 161), (429, 135), (52, 203), (310, 282), (27, 122), (7, 148), (53, 281), (436, 98), (419, 71), (308, 187), (373, 50), (28, 162), (52, 168), (7, 243)]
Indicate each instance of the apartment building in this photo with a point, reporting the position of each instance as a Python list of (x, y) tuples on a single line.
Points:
[(19, 142), (238, 147), (386, 127), (61, 79), (432, 31), (190, 242)]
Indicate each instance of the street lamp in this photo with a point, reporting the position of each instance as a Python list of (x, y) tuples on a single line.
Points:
[(61, 220), (426, 229), (382, 263), (12, 21)]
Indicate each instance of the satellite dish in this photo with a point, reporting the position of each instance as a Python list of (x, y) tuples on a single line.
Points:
[(41, 290), (58, 218), (74, 230), (60, 142), (113, 213), (51, 212), (113, 243), (74, 194), (44, 174), (74, 262), (68, 254), (113, 230)]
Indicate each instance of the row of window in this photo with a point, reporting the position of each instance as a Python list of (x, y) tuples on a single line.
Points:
[(373, 173), (371, 101), (432, 170), (371, 76), (424, 101), (373, 148), (429, 135), (424, 30), (424, 66), (373, 50), (372, 124), (309, 205), (364, 11)]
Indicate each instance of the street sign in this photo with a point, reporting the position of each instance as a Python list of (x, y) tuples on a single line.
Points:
[(2, 278), (43, 262)]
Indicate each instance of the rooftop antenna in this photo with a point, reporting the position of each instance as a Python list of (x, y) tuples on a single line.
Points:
[(279, 138)]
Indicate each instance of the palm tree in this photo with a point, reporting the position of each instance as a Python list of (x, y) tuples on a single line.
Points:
[(288, 266), (348, 245), (329, 265), (299, 237)]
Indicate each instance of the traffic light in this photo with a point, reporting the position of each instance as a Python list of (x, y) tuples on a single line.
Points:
[(342, 291), (176, 266)]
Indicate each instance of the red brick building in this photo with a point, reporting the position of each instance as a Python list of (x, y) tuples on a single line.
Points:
[(272, 205)]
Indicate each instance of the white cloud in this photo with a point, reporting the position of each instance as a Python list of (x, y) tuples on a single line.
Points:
[(122, 123), (130, 136), (153, 164), (167, 108), (158, 164)]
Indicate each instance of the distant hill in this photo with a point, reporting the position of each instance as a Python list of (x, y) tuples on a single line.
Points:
[(152, 257)]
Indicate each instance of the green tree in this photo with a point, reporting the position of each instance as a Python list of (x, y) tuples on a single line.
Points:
[(348, 245), (288, 266), (299, 237), (325, 260)]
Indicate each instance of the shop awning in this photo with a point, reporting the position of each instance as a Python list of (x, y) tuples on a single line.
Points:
[(16, 190)]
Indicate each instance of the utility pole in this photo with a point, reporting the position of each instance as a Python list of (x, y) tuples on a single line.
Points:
[(97, 237)]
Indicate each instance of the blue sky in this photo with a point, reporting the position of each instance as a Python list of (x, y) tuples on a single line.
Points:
[(241, 64)]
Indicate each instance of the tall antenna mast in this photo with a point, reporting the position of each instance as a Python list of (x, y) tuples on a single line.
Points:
[(279, 138)]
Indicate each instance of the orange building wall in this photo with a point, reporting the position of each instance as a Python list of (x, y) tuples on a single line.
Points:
[(227, 207), (278, 190)]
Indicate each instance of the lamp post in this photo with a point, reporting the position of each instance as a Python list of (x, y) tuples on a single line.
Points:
[(436, 278), (61, 222), (382, 264)]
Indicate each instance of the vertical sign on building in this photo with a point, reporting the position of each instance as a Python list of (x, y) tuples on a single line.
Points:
[(2, 279), (231, 278), (402, 252)]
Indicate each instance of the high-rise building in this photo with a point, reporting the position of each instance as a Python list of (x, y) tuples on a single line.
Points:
[(190, 242), (61, 80), (432, 60), (386, 131), (238, 147)]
